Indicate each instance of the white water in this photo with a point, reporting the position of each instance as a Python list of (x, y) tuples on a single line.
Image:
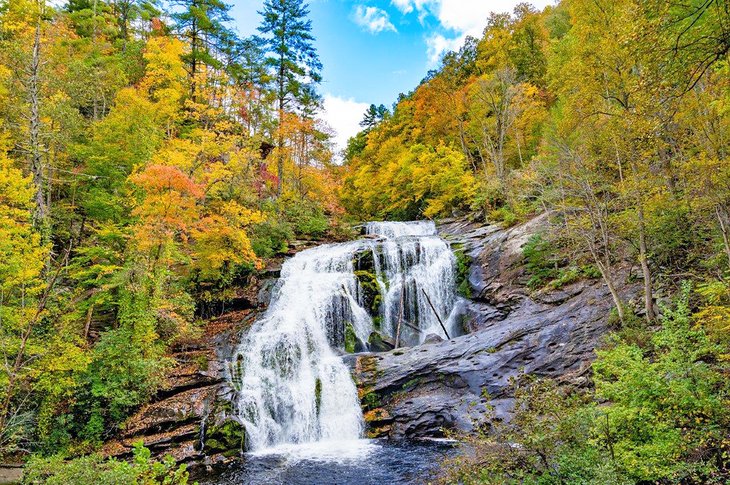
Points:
[(415, 265), (292, 385)]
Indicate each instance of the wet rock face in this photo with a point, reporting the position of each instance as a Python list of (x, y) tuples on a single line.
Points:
[(424, 390)]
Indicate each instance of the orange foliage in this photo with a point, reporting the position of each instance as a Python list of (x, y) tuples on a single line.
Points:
[(168, 207)]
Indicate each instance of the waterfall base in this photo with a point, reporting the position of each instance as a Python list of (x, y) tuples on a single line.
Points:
[(362, 462), (291, 384)]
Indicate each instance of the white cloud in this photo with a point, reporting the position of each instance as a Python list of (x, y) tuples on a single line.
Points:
[(405, 6), (438, 45), (373, 19), (459, 18), (343, 116)]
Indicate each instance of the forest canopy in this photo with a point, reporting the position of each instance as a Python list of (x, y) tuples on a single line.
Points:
[(151, 159)]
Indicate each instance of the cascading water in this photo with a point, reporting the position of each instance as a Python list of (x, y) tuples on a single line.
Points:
[(413, 266), (292, 386)]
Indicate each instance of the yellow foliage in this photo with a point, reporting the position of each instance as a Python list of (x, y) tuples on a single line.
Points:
[(165, 75), (420, 181), (21, 254)]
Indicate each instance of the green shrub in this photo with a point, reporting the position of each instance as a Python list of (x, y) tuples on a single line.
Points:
[(95, 470), (540, 261), (504, 215), (270, 237), (462, 272), (306, 218), (122, 375)]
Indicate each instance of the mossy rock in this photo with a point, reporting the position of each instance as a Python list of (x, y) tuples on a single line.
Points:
[(365, 261), (370, 288), (463, 265), (228, 438), (350, 339), (379, 343), (318, 394), (370, 401)]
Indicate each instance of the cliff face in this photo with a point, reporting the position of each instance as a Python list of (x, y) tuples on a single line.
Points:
[(421, 391), (188, 419)]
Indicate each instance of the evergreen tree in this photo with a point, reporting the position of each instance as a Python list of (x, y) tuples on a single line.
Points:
[(292, 58), (202, 23), (373, 116)]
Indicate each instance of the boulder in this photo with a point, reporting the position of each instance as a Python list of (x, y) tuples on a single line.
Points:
[(380, 343), (432, 338)]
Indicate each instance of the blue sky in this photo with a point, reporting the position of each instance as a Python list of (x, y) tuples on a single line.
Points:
[(372, 50)]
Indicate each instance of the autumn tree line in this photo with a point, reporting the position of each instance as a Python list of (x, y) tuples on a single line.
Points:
[(150, 159), (611, 118), (612, 115)]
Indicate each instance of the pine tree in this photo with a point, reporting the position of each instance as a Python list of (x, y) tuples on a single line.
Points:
[(373, 116), (292, 58), (202, 23)]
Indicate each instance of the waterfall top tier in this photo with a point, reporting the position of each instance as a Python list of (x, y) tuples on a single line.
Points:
[(394, 230)]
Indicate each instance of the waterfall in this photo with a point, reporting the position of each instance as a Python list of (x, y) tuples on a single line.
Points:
[(292, 386), (414, 265)]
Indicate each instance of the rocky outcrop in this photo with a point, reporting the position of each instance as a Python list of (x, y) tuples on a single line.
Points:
[(421, 391), (187, 419), (407, 392)]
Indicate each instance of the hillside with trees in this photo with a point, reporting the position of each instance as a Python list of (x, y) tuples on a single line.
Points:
[(150, 161)]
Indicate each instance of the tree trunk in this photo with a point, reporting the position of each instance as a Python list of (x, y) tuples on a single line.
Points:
[(194, 40), (280, 141), (643, 259), (605, 274), (725, 232), (36, 159)]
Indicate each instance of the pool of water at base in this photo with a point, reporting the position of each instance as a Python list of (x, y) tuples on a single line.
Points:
[(361, 462)]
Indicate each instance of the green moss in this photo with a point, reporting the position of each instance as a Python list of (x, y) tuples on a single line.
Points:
[(378, 343), (370, 290), (318, 394), (411, 384), (371, 400), (463, 263), (201, 361), (350, 338), (236, 371), (364, 261), (228, 437), (547, 270)]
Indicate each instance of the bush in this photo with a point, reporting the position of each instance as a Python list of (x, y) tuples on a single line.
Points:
[(540, 261), (504, 215), (305, 217), (95, 470), (121, 376), (270, 237)]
